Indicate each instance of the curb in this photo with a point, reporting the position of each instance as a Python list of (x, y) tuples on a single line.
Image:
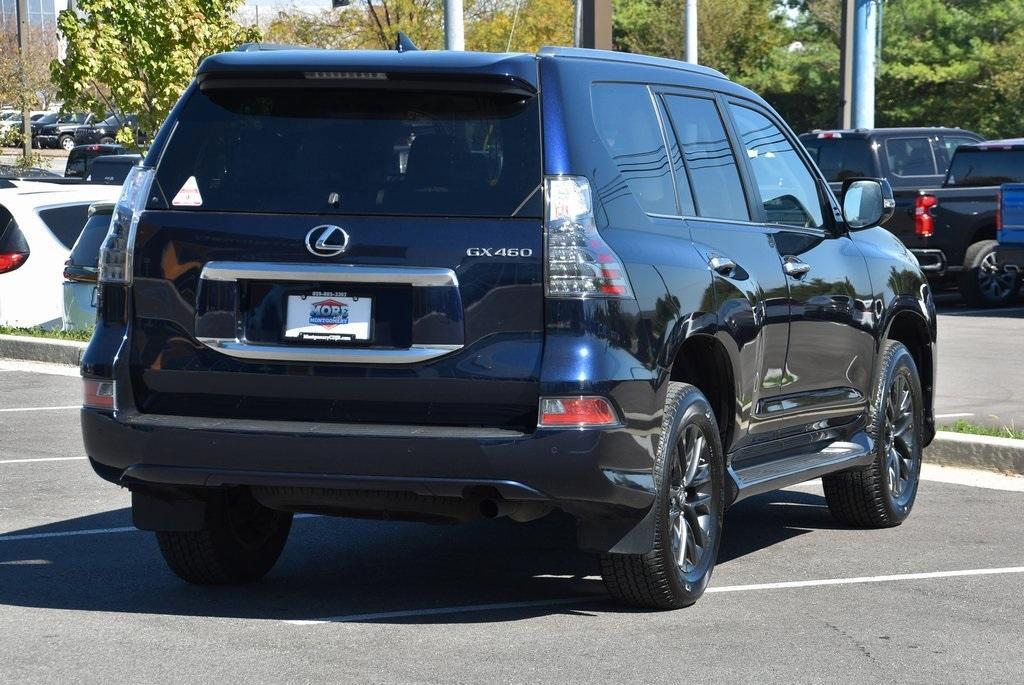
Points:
[(26, 348), (1005, 455)]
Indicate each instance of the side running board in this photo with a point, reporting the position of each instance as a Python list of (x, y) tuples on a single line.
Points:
[(781, 473)]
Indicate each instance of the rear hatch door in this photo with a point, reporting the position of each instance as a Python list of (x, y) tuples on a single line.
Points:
[(351, 253)]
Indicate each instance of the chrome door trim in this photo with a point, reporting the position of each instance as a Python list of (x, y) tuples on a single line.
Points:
[(418, 277), (326, 355)]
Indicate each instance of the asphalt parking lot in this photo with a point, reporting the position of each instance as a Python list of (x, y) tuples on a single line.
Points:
[(81, 591), (981, 364)]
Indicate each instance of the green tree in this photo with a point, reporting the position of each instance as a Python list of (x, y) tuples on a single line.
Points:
[(491, 25), (736, 37), (137, 56)]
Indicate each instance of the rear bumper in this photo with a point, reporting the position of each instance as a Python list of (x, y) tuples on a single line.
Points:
[(603, 477)]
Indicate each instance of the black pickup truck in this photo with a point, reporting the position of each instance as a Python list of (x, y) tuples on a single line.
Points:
[(949, 224), (955, 225)]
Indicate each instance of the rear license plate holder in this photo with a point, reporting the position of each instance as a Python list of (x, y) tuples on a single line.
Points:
[(328, 317)]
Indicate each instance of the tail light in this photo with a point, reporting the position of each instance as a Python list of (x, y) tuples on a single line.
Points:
[(579, 262), (999, 212), (97, 394), (9, 261), (576, 412), (115, 264), (924, 222)]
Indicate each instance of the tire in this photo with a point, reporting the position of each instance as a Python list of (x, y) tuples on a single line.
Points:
[(984, 282), (106, 140), (659, 579), (239, 542), (882, 494), (66, 143)]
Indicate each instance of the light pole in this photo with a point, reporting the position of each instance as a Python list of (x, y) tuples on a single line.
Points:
[(865, 41), (691, 31), (454, 33), (26, 122)]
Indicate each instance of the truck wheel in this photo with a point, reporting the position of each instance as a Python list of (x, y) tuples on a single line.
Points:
[(239, 542), (689, 479), (882, 494), (984, 282), (66, 142)]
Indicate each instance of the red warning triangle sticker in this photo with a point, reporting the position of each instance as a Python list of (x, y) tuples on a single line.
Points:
[(189, 195)]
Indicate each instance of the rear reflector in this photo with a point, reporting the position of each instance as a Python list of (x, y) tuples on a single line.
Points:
[(98, 394), (9, 261), (577, 412)]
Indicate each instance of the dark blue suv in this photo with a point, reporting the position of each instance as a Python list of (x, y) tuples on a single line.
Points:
[(442, 286)]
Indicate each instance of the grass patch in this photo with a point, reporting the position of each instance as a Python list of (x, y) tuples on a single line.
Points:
[(963, 426), (36, 332)]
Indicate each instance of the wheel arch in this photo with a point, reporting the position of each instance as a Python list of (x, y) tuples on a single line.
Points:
[(703, 361), (908, 327)]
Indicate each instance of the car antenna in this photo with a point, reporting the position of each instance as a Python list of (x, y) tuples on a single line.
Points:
[(404, 43)]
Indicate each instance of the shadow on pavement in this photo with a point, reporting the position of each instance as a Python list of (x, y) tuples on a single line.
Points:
[(345, 567)]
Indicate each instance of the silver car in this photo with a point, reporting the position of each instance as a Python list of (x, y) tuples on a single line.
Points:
[(81, 268)]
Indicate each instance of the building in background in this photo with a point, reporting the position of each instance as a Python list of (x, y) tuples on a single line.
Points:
[(42, 15)]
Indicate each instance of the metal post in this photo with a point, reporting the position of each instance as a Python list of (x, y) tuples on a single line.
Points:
[(454, 32), (26, 123), (865, 31), (845, 114), (691, 31)]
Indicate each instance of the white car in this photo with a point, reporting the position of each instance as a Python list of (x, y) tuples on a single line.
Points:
[(39, 223)]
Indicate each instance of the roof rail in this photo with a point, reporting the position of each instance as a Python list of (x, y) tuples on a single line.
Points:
[(263, 47), (630, 58)]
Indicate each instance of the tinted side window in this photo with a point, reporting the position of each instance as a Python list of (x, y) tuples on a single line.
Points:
[(628, 127), (788, 191), (65, 222), (985, 167), (910, 156), (841, 158), (710, 164)]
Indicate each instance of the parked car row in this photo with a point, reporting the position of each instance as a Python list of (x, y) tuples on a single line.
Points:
[(68, 129), (946, 186)]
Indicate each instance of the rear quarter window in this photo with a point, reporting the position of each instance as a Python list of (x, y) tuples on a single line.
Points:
[(65, 223), (341, 151), (628, 126)]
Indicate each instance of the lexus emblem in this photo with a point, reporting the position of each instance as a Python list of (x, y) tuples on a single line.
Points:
[(327, 240)]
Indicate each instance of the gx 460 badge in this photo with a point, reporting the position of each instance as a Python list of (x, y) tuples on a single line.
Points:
[(499, 252)]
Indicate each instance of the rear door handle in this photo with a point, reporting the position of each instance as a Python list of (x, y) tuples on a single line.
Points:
[(722, 265), (794, 267)]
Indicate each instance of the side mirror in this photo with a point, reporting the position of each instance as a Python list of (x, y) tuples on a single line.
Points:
[(867, 202)]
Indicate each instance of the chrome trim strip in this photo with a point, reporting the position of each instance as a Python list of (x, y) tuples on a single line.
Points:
[(327, 355), (420, 277)]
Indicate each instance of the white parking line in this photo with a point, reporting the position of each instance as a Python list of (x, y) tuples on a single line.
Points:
[(473, 608), (997, 313), (68, 406), (94, 531), (68, 533), (953, 416), (32, 461)]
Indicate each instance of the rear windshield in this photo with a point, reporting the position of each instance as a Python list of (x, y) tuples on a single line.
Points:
[(841, 158), (343, 151), (986, 167), (87, 249)]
